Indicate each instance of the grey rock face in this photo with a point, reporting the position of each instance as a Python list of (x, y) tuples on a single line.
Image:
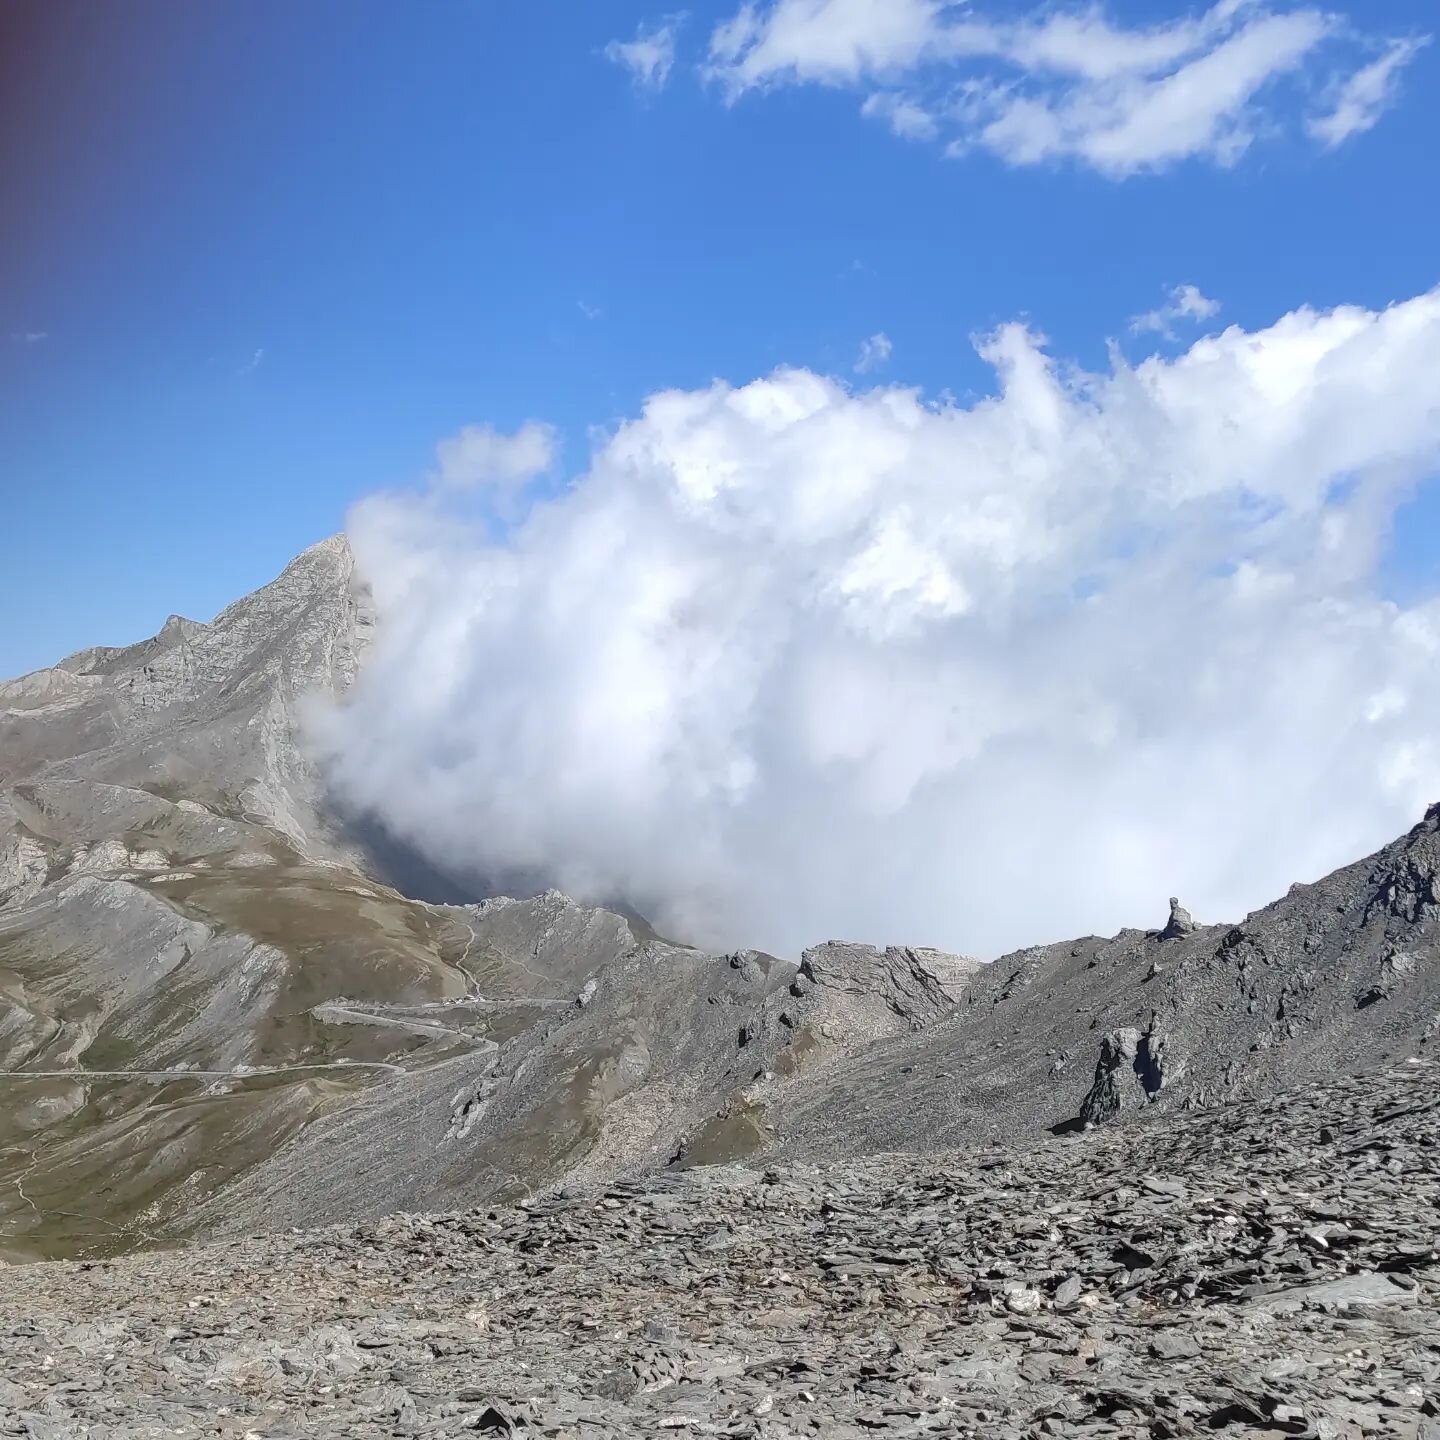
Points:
[(864, 994), (205, 713)]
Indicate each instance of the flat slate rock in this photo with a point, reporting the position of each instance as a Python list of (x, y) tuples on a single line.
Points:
[(1275, 1284)]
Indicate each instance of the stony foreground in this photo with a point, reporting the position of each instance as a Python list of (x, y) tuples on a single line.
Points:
[(1271, 1267)]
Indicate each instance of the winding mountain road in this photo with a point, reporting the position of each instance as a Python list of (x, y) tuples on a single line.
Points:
[(244, 1073)]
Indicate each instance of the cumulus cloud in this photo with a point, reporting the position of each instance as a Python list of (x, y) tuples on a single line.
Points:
[(1360, 101), (792, 660), (482, 456), (874, 354), (1184, 302), (1063, 85), (650, 56)]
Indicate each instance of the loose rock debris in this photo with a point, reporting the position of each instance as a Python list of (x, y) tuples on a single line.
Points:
[(1268, 1268)]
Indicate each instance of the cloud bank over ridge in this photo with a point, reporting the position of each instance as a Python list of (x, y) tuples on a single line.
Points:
[(793, 660)]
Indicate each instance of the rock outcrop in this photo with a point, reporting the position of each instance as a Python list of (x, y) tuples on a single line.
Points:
[(1130, 1073), (1180, 923)]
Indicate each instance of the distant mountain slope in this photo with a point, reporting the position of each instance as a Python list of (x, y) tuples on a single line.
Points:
[(216, 1015), (202, 974), (1336, 977), (174, 913)]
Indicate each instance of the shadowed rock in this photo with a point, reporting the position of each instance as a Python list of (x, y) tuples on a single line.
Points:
[(1129, 1074)]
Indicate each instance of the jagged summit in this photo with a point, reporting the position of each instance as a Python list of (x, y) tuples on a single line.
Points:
[(204, 711), (322, 575)]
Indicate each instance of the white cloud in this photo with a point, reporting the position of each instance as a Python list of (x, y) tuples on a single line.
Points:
[(1184, 302), (650, 56), (1138, 121), (252, 364), (29, 337), (481, 456), (907, 118), (874, 354), (590, 312), (830, 41), (1071, 84), (1084, 43), (1360, 101), (790, 661)]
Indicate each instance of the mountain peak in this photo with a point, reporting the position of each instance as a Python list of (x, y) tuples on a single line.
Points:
[(177, 627)]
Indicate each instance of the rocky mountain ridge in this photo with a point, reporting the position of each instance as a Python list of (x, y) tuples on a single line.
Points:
[(212, 1003)]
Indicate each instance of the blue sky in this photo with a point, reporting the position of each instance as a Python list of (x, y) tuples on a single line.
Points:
[(259, 256)]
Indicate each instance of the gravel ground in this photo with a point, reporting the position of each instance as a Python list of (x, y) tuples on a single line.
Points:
[(1262, 1268)]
